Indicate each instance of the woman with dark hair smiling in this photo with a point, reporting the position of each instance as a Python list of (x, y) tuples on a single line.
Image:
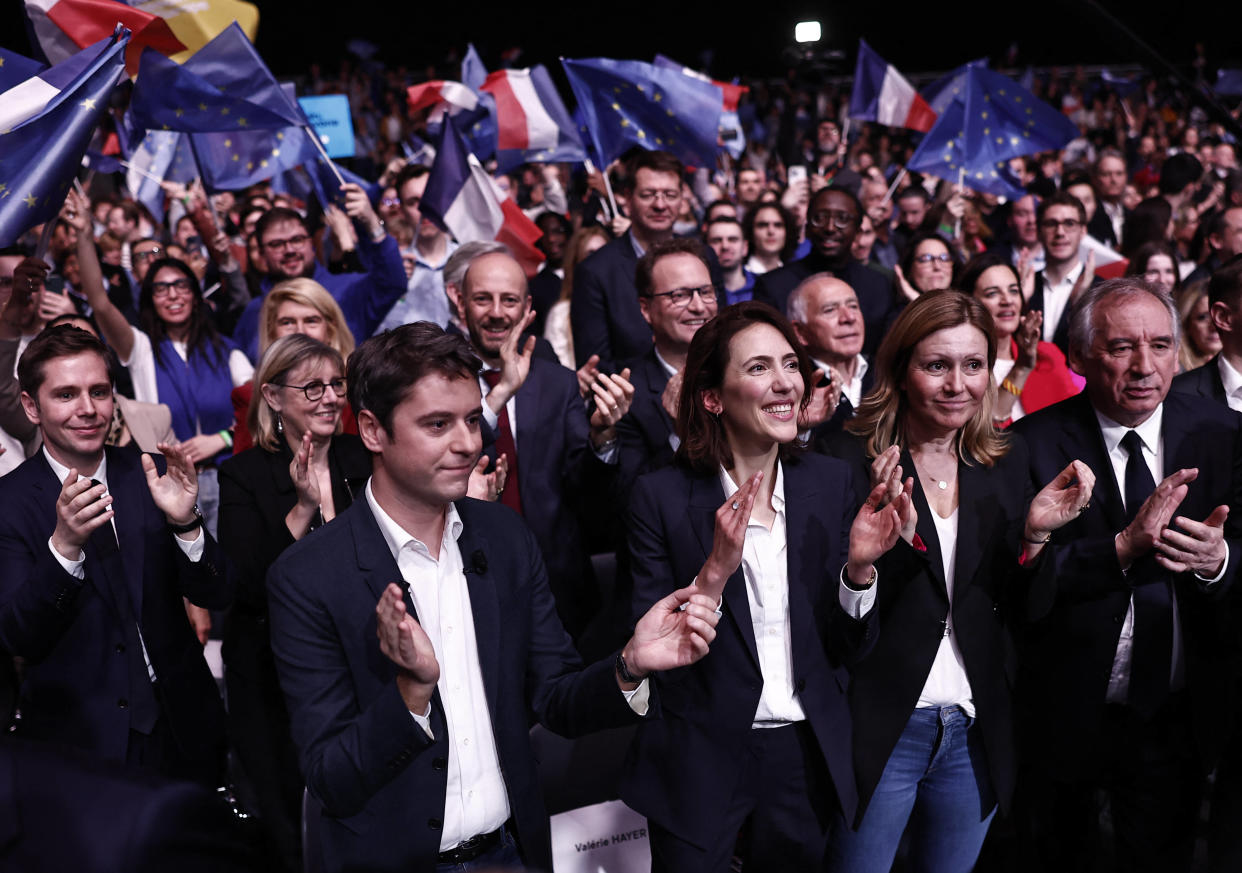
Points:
[(931, 704), (754, 739)]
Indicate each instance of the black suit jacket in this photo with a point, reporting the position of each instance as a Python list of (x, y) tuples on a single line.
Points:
[(70, 632), (644, 432), (1060, 337), (876, 298), (841, 416), (1070, 649), (545, 290), (683, 770), (380, 778), (1101, 227), (912, 602), (1202, 382)]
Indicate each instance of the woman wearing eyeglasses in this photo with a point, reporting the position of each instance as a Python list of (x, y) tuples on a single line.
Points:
[(927, 266), (301, 473)]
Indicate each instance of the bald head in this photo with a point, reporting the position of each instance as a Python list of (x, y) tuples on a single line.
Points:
[(825, 314), (493, 302)]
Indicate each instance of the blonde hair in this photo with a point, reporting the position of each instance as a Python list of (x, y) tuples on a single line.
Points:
[(305, 292), (881, 417), (281, 358)]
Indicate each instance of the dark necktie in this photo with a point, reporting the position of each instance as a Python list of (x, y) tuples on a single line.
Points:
[(1151, 653), (143, 709), (507, 446)]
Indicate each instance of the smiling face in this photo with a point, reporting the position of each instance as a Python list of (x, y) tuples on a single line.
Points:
[(320, 418), (1132, 358), (832, 223), (1061, 231), (288, 249), (946, 381), (655, 201), (434, 442), (833, 331), (494, 302), (759, 399), (673, 326), (932, 268), (73, 409), (173, 296), (997, 288)]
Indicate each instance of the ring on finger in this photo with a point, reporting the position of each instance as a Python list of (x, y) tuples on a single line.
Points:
[(735, 506)]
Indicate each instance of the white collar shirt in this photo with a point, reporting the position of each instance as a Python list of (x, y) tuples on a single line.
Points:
[(1232, 380), (1056, 299)]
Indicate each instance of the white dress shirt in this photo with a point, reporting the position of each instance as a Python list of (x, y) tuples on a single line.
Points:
[(1118, 457), (1232, 380), (766, 570), (193, 549), (475, 800), (1056, 299), (610, 455), (674, 441), (947, 683)]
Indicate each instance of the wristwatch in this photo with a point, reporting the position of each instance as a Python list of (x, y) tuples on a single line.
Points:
[(190, 525)]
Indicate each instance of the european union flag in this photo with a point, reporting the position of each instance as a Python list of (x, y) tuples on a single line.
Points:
[(940, 93), (325, 184), (992, 120), (235, 159), (473, 73), (231, 63), (15, 68), (40, 157), (628, 103), (169, 96)]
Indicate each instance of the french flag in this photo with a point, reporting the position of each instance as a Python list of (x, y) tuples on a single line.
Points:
[(532, 122), (64, 27), (883, 95), (30, 96), (443, 95), (462, 198)]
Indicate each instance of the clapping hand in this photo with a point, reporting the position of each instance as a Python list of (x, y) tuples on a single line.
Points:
[(405, 643), (729, 538), (1059, 502), (176, 492), (675, 632)]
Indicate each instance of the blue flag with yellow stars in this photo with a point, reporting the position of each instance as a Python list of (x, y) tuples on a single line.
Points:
[(40, 157), (992, 120), (169, 96), (632, 103)]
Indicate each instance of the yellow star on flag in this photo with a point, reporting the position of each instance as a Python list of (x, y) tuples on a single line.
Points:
[(30, 200), (88, 103), (241, 122), (224, 110), (180, 112)]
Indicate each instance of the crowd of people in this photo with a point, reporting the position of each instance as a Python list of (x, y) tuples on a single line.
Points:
[(895, 532)]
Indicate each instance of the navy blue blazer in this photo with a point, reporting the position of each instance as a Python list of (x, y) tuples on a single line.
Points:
[(644, 432), (380, 778), (1069, 653), (912, 601), (1202, 382), (876, 298), (682, 770), (76, 647)]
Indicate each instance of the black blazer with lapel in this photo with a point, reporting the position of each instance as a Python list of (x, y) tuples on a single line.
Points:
[(912, 602), (644, 432), (71, 634), (380, 778), (1069, 653), (682, 770), (1203, 382), (1060, 337)]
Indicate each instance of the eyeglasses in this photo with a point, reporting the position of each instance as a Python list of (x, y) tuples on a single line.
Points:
[(1065, 224), (148, 254), (838, 219), (680, 297), (164, 289), (927, 258), (279, 245), (390, 201), (314, 390), (647, 196)]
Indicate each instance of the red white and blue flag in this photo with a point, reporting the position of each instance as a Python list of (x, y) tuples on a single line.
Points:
[(462, 198), (531, 120), (883, 95)]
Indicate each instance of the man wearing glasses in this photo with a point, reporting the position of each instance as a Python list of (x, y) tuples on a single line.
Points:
[(605, 314), (289, 250), (832, 222), (1062, 223)]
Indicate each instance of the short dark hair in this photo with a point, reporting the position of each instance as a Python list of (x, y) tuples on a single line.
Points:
[(657, 162), (911, 191), (408, 172), (980, 264), (833, 189), (722, 219), (384, 368), (1060, 198), (1225, 286), (61, 341), (717, 204), (678, 245), (704, 445), (791, 227), (1179, 170), (275, 215)]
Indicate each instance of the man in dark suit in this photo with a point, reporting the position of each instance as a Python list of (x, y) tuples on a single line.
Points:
[(1220, 381), (90, 598), (605, 315), (534, 414), (411, 717), (828, 320), (832, 223), (1062, 223), (1108, 179), (1130, 647)]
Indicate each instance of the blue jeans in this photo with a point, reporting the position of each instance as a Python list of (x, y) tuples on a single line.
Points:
[(502, 858), (936, 780)]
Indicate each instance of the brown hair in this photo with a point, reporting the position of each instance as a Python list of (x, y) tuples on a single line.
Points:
[(704, 445), (881, 417)]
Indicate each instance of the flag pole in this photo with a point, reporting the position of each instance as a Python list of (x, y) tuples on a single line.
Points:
[(893, 187), (323, 153), (961, 180), (612, 200), (141, 172)]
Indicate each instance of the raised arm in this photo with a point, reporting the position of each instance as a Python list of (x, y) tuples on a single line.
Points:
[(116, 330)]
